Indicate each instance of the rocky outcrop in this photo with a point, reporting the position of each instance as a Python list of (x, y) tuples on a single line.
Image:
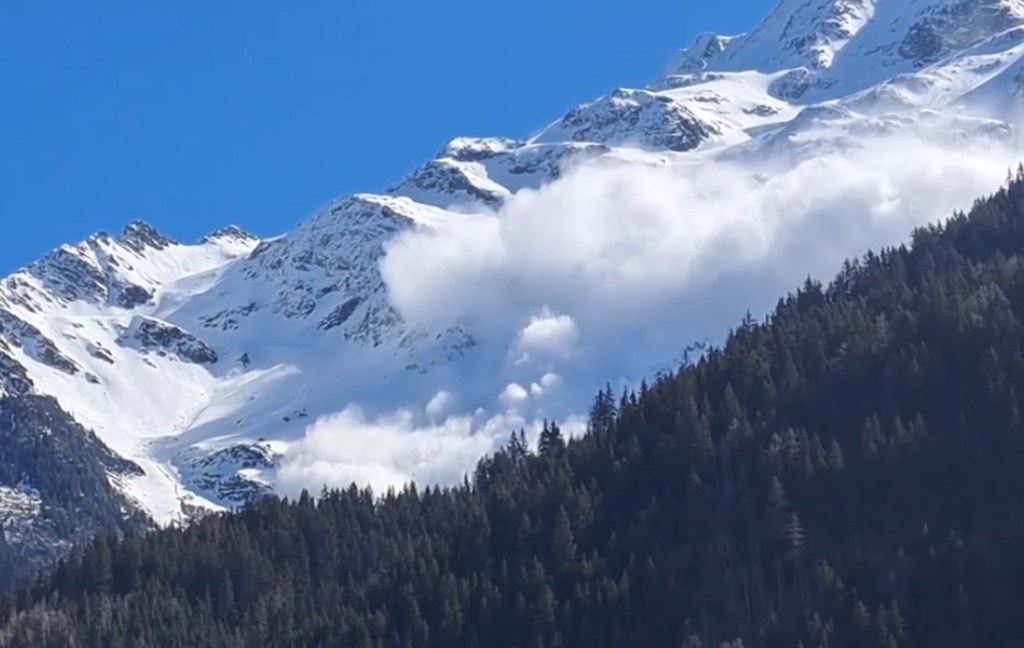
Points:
[(18, 333), (156, 336), (230, 475), (140, 237), (633, 118)]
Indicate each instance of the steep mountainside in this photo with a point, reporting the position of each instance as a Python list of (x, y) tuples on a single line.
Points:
[(845, 473), (59, 486), (202, 367)]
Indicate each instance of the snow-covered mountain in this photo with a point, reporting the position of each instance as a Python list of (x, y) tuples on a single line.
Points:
[(206, 365)]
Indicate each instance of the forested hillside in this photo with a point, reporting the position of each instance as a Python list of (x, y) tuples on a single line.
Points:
[(844, 474), (59, 491)]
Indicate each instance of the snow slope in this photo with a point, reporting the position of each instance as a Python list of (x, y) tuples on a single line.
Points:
[(208, 364)]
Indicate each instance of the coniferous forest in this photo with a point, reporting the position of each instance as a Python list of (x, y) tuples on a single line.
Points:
[(845, 474), (69, 468)]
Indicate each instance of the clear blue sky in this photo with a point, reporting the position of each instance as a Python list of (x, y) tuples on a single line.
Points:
[(193, 115)]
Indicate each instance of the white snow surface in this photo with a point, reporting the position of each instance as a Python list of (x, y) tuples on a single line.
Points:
[(402, 335)]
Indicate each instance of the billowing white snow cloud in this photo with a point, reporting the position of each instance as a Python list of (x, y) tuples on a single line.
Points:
[(609, 273), (396, 449), (514, 395), (547, 383), (388, 451), (548, 334), (625, 264), (440, 404)]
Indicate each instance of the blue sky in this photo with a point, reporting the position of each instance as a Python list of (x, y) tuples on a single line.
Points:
[(192, 115)]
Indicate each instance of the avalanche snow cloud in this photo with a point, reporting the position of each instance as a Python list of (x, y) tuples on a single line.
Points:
[(616, 267), (395, 449), (612, 271)]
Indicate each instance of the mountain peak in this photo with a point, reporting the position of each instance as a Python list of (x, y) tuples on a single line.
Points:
[(851, 42), (139, 235), (231, 233)]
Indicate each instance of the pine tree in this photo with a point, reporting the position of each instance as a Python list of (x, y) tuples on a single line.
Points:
[(563, 542), (551, 441)]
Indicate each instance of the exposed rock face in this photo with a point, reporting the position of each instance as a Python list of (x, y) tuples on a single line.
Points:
[(24, 336), (333, 259), (140, 237), (946, 27), (150, 334), (792, 85), (232, 474), (636, 117), (101, 269), (231, 233), (851, 45), (340, 315), (130, 296), (14, 380), (448, 182)]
